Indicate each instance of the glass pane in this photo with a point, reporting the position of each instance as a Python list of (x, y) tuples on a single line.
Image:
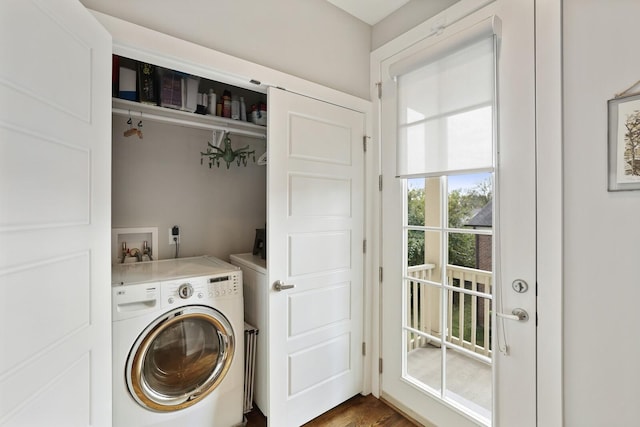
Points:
[(462, 250), (423, 312), (424, 363), (423, 202), (415, 247), (470, 201), (415, 201), (471, 251), (469, 318), (433, 209), (469, 382), (481, 313), (182, 357), (423, 254)]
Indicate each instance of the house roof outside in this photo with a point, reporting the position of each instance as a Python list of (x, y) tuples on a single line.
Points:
[(484, 217)]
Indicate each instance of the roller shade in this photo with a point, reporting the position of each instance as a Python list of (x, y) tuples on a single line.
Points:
[(483, 29), (446, 105)]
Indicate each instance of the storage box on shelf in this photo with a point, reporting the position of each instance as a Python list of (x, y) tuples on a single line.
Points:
[(175, 97)]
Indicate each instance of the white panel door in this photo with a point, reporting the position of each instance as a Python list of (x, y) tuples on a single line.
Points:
[(55, 169), (315, 226)]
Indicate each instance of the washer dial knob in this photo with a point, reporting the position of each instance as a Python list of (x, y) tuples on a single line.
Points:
[(185, 290)]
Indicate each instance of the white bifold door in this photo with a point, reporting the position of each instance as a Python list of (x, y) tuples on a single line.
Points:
[(55, 215), (315, 225)]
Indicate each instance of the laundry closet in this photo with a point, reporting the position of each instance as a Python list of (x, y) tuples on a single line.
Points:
[(160, 176), (309, 198)]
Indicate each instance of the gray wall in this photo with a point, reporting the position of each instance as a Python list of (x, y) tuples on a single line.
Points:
[(311, 39), (601, 284), (158, 182), (408, 16)]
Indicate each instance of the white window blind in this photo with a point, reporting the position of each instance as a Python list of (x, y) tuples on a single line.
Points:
[(446, 103)]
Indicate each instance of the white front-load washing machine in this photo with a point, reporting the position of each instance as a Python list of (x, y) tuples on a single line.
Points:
[(178, 337)]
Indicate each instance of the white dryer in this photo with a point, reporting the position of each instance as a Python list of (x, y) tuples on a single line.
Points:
[(178, 328)]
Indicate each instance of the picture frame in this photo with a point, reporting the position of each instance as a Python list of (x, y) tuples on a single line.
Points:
[(624, 143)]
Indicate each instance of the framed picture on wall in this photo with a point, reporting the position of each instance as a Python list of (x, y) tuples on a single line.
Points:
[(624, 143)]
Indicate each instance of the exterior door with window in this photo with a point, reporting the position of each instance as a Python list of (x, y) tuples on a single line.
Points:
[(458, 221)]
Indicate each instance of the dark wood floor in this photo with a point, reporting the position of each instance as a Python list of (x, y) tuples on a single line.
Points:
[(359, 411)]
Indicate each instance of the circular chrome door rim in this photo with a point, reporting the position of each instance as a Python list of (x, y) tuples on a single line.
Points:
[(151, 399)]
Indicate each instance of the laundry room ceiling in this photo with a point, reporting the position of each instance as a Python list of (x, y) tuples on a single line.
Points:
[(369, 11)]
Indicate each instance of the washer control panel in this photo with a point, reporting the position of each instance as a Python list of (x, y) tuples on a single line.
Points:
[(221, 286), (199, 290)]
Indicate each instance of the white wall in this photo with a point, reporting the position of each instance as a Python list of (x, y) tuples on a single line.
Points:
[(311, 39), (158, 182), (408, 16), (602, 280)]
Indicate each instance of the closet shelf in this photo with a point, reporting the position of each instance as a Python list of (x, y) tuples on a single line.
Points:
[(139, 111)]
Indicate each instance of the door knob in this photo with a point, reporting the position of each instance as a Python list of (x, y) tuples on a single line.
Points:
[(519, 314), (279, 285)]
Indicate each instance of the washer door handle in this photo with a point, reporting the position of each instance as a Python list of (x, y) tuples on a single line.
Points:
[(280, 286)]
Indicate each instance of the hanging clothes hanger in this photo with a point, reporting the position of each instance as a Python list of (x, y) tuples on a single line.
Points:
[(133, 131)]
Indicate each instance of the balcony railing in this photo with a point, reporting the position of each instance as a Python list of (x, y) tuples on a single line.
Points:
[(468, 319)]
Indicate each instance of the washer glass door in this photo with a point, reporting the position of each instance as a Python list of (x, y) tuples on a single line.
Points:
[(180, 358)]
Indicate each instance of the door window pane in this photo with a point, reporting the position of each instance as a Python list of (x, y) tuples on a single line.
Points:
[(423, 255), (424, 364), (469, 320), (423, 313), (470, 201), (469, 382), (415, 201), (423, 202), (462, 250)]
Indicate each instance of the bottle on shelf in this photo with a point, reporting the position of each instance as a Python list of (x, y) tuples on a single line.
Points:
[(259, 114), (226, 104), (243, 109), (235, 107), (211, 105)]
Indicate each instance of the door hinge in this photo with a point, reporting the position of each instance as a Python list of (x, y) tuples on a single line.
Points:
[(364, 143), (380, 365), (379, 182), (364, 246), (379, 87), (364, 349), (380, 274)]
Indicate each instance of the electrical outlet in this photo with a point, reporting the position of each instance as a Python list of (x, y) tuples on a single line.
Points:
[(174, 233)]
